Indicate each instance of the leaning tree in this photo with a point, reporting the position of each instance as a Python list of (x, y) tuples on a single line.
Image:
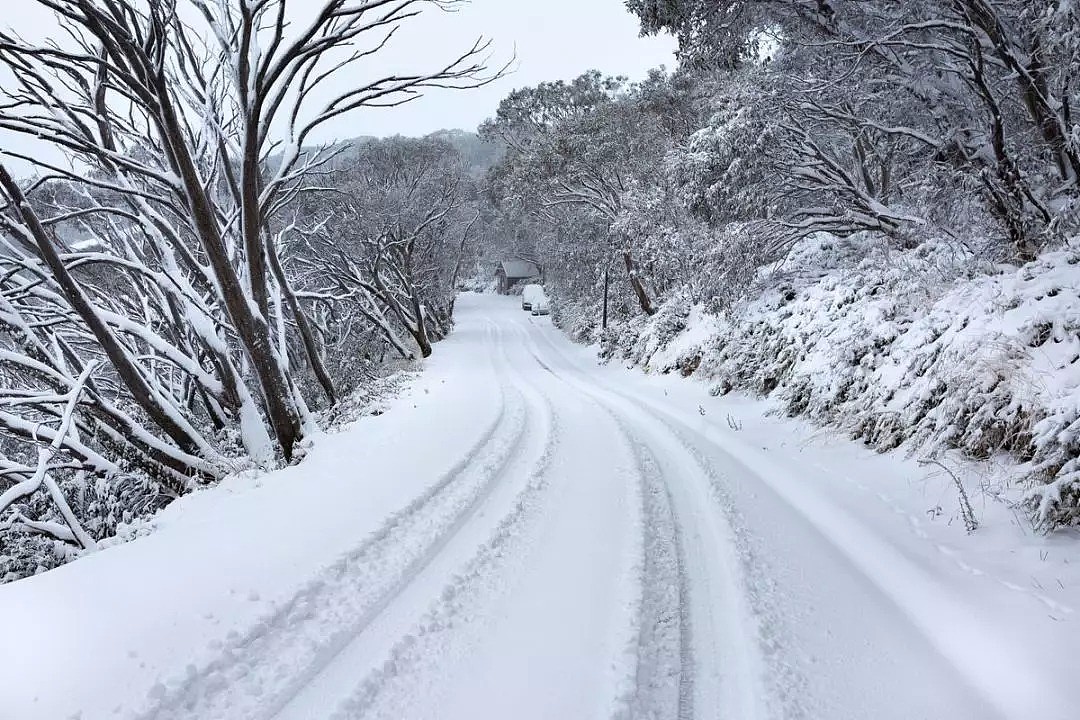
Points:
[(188, 129), (394, 238)]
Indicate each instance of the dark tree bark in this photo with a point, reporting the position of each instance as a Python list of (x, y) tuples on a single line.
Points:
[(252, 328), (121, 361), (638, 287), (302, 323)]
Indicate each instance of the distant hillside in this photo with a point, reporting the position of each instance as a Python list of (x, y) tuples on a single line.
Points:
[(478, 154)]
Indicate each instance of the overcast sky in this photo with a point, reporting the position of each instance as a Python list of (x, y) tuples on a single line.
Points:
[(550, 39)]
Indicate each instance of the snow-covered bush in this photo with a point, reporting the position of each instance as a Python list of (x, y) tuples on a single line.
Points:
[(639, 341), (929, 346), (104, 505), (578, 320), (481, 283)]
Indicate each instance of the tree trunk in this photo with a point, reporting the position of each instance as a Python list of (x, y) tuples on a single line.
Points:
[(637, 285), (252, 328), (251, 220), (169, 422), (607, 285), (419, 330), (423, 343), (1032, 85), (302, 323)]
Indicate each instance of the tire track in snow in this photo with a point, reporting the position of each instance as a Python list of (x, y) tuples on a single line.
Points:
[(786, 693), (400, 666), (721, 658), (393, 683), (256, 672), (783, 681), (659, 685), (943, 619), (663, 684), (664, 680)]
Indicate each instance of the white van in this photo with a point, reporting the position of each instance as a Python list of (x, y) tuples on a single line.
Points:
[(529, 295)]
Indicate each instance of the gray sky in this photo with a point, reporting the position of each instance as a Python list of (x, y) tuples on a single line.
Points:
[(551, 39)]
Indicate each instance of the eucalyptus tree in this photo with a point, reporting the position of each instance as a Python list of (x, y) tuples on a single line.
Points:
[(892, 115), (155, 252), (395, 236), (179, 130), (581, 146)]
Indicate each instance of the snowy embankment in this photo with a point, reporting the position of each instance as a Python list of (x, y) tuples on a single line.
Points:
[(904, 348), (120, 628)]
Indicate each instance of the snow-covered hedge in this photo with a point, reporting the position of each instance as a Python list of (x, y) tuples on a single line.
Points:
[(924, 346)]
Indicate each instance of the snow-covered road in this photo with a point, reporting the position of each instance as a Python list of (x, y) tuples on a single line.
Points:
[(526, 534)]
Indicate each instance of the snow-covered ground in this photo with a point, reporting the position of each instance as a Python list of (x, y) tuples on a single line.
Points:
[(526, 534), (929, 348)]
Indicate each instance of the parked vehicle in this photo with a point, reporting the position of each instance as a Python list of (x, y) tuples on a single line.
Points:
[(541, 306), (529, 295)]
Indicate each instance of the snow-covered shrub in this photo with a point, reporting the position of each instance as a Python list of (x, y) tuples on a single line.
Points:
[(931, 346), (480, 283), (382, 383), (103, 505), (25, 555), (576, 319), (671, 340)]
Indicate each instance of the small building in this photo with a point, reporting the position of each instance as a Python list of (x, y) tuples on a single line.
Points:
[(514, 272)]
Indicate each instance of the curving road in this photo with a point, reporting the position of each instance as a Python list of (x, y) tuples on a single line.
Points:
[(601, 550)]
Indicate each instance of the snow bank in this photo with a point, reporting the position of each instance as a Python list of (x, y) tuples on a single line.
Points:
[(922, 346), (130, 625), (126, 505)]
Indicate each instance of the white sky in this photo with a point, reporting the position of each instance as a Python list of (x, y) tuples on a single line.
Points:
[(551, 39)]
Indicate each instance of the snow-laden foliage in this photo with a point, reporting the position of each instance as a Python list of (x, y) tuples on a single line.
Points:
[(158, 324), (395, 238), (918, 346), (892, 115)]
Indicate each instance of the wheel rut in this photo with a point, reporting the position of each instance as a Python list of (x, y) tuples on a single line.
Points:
[(663, 683), (277, 656), (722, 661), (384, 691)]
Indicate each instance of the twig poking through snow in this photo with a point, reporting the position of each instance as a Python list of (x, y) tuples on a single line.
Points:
[(966, 511)]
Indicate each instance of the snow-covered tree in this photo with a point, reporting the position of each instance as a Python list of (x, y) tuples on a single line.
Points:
[(159, 253), (394, 238), (583, 145)]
